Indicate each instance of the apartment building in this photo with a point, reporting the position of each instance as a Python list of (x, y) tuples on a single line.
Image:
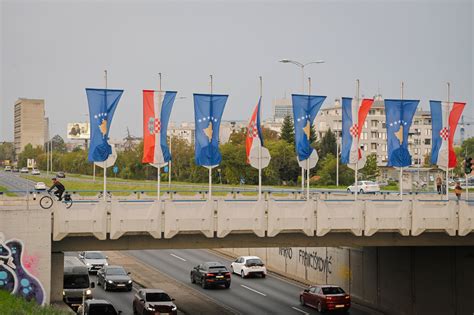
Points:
[(29, 123)]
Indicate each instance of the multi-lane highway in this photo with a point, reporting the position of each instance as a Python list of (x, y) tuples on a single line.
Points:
[(13, 182), (272, 295)]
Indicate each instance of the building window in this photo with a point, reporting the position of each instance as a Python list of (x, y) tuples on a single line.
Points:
[(416, 122), (384, 147), (374, 135), (427, 141), (374, 123), (373, 146), (384, 125), (364, 136), (427, 151), (372, 112), (383, 135), (428, 132), (365, 124)]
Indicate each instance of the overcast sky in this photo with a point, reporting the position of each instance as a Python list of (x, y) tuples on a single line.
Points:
[(55, 49)]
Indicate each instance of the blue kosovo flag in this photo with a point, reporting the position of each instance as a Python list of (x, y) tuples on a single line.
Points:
[(305, 109), (399, 116), (208, 109), (102, 105)]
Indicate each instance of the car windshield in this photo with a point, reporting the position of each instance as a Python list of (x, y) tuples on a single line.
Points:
[(76, 281), (333, 290), (102, 309), (116, 272), (94, 255), (218, 269), (157, 297), (254, 262)]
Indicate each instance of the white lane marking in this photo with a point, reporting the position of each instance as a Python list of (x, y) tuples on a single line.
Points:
[(176, 256), (297, 309), (253, 290)]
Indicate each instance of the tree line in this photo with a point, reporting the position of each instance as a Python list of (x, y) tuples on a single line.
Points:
[(282, 170)]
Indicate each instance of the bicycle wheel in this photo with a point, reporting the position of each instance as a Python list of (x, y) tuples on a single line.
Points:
[(68, 203), (46, 202)]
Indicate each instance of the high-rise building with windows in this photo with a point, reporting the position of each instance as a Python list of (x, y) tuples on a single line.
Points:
[(282, 107), (29, 123)]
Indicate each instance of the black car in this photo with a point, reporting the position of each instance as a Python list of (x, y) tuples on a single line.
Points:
[(61, 175), (153, 301), (211, 274), (114, 278), (97, 307)]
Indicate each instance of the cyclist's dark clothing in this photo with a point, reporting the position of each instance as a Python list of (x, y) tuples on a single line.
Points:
[(59, 189)]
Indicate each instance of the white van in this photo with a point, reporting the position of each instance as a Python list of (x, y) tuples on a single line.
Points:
[(76, 285)]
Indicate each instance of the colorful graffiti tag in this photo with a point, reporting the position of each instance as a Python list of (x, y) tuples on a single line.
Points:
[(14, 277)]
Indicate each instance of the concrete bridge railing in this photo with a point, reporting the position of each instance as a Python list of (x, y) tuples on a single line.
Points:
[(221, 217)]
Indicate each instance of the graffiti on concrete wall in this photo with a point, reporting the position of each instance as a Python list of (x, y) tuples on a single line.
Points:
[(14, 276), (309, 259)]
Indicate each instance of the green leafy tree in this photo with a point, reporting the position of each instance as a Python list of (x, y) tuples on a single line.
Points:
[(467, 148), (283, 168), (58, 144), (7, 151), (327, 172), (288, 130), (371, 170), (328, 144), (312, 136), (29, 153)]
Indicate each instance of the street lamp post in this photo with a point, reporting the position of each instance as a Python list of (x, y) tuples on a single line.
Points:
[(301, 65)]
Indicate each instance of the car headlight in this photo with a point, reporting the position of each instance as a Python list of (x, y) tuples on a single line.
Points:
[(149, 308), (64, 293), (174, 308), (88, 292), (110, 281), (88, 264), (106, 264), (129, 281)]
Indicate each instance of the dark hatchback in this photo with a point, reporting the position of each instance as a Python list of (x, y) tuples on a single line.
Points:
[(114, 278), (97, 307), (211, 274), (326, 298), (153, 301)]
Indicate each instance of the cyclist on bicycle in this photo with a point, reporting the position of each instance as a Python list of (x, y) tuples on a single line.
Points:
[(59, 188)]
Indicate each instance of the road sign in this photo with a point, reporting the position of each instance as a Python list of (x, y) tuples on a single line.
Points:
[(165, 169), (110, 161), (313, 160), (265, 157), (115, 169)]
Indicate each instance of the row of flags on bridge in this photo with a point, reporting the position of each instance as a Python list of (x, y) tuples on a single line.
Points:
[(208, 110)]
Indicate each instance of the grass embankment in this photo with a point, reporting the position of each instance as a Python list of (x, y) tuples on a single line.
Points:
[(5, 191), (12, 305)]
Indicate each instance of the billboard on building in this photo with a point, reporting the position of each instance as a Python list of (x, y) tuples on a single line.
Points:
[(78, 131)]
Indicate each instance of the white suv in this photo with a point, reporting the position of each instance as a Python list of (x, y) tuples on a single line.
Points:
[(248, 265)]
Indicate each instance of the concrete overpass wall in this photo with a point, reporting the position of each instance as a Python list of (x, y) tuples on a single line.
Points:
[(395, 280), (25, 253)]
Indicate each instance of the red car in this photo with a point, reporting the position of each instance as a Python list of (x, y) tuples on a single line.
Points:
[(326, 298)]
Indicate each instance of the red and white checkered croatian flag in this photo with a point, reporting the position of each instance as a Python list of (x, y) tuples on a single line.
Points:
[(156, 113), (353, 117), (254, 137), (444, 120)]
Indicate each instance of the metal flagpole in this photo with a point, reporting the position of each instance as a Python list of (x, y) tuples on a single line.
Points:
[(158, 166), (337, 159), (307, 160), (358, 148), (210, 166), (401, 168), (105, 162), (448, 86), (260, 145), (169, 167)]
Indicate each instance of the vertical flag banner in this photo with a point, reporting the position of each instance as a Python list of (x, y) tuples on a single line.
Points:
[(156, 114), (305, 109), (208, 109), (102, 105), (399, 116), (254, 138), (444, 120), (354, 113)]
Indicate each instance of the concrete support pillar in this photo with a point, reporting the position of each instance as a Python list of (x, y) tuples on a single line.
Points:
[(57, 274)]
